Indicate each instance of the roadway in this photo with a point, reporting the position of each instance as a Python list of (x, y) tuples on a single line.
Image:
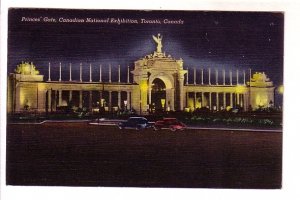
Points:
[(82, 154)]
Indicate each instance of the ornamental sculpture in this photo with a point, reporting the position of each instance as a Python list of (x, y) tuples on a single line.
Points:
[(158, 40), (26, 69)]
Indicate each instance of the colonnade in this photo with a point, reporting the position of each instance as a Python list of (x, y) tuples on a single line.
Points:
[(90, 99), (71, 78), (217, 80), (215, 101)]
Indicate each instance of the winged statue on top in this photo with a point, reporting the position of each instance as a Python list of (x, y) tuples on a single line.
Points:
[(158, 40)]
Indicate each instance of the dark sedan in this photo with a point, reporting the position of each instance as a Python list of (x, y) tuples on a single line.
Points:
[(137, 123)]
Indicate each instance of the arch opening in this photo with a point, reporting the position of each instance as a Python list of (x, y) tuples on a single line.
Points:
[(158, 95)]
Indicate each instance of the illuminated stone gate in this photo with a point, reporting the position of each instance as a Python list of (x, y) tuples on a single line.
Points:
[(160, 82)]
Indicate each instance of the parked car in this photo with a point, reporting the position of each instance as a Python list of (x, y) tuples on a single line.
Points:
[(169, 123), (137, 123)]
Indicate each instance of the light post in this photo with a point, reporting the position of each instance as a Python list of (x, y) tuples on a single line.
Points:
[(98, 104), (125, 104), (163, 102)]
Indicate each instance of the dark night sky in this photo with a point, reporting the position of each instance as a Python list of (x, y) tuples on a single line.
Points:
[(227, 40)]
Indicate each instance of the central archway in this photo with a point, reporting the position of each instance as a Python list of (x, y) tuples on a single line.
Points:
[(158, 95)]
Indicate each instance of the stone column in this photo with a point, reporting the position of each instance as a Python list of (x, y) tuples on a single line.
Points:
[(169, 99), (237, 77), (109, 73), (70, 95), (202, 77), (250, 76), (50, 100), (210, 104), (195, 80), (41, 100), (80, 72), (246, 101), (143, 93), (119, 73), (119, 99), (230, 77), (128, 74), (242, 100), (90, 72), (224, 77), (244, 77), (195, 99), (109, 101), (181, 91), (172, 103), (186, 99), (224, 100), (55, 100), (100, 73), (217, 100), (238, 99), (149, 94), (59, 71), (187, 76), (91, 100), (49, 71), (209, 76), (70, 72), (217, 74), (202, 99), (231, 102), (80, 99), (128, 100), (59, 97)]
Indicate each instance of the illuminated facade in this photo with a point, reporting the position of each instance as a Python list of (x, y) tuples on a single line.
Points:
[(160, 82)]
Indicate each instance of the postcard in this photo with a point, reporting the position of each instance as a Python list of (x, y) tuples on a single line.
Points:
[(140, 98)]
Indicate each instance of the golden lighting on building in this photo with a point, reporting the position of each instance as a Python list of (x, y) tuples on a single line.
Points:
[(157, 78), (163, 102), (144, 86), (240, 89), (261, 100)]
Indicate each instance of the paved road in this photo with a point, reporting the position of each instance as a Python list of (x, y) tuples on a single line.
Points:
[(107, 122), (80, 154)]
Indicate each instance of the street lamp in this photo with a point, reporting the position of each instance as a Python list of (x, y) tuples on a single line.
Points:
[(163, 101), (125, 103), (98, 104)]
